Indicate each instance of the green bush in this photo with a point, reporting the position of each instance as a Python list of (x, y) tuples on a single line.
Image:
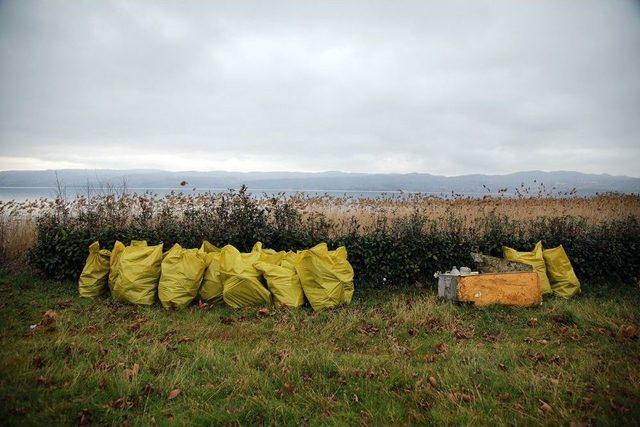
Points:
[(390, 253)]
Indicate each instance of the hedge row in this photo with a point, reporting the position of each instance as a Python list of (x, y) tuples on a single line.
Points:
[(391, 253)]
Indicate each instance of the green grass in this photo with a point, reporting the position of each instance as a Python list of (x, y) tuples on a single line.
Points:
[(368, 363)]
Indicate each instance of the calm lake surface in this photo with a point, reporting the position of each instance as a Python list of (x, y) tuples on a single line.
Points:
[(21, 194)]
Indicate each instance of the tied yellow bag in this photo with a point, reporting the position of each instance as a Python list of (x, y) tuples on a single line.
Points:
[(283, 282), (326, 276), (534, 259), (563, 279), (114, 263), (241, 286), (93, 279), (182, 271), (138, 273), (269, 255), (211, 290)]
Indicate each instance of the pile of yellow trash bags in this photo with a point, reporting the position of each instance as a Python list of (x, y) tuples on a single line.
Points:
[(138, 272), (552, 266)]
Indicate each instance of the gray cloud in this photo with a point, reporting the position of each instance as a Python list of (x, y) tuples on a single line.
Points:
[(439, 87)]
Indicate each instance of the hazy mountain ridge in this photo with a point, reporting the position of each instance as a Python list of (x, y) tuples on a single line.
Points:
[(336, 181)]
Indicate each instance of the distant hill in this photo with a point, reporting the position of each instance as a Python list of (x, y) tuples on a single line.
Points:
[(563, 181)]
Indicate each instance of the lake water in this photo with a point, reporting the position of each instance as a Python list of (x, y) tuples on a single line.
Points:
[(20, 194)]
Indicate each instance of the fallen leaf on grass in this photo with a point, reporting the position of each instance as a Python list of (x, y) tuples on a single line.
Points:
[(282, 355), (489, 337), (461, 335), (37, 362), (174, 393), (20, 410), (630, 332), (502, 366), (263, 312), (466, 397), (185, 340), (42, 380), (103, 351), (557, 360), (369, 330), (209, 386), (544, 407), (131, 373), (226, 320), (147, 390), (621, 409), (122, 403), (441, 348), (48, 317), (65, 303), (433, 382), (71, 349), (84, 417), (287, 388), (102, 365), (536, 357), (587, 402), (424, 404)]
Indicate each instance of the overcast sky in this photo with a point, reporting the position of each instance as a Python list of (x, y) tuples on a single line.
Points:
[(423, 86)]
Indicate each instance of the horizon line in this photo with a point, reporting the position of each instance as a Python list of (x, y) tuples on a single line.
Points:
[(319, 172)]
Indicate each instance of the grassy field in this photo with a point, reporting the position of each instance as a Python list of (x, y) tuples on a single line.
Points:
[(389, 358)]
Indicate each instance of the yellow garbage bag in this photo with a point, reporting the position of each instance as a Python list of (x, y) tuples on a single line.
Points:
[(114, 262), (94, 276), (211, 289), (241, 286), (138, 273), (268, 255), (289, 261), (283, 283), (326, 276), (182, 271), (534, 259), (563, 279)]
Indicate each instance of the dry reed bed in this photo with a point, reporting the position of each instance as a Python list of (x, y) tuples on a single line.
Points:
[(594, 209)]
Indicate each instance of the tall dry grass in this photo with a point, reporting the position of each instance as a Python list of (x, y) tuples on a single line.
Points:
[(604, 207)]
